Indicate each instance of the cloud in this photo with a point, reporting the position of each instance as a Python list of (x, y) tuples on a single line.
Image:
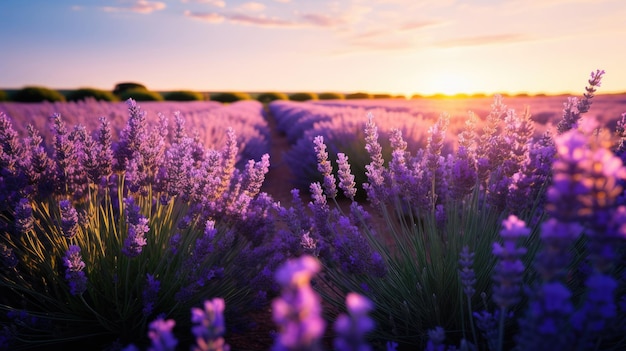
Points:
[(139, 6), (319, 20), (413, 25), (251, 6), (260, 21), (483, 40), (216, 3), (283, 1), (210, 17)]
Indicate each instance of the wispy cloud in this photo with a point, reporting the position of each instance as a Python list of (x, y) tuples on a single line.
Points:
[(211, 17), (414, 25), (251, 7), (262, 20), (483, 40), (216, 3), (138, 6)]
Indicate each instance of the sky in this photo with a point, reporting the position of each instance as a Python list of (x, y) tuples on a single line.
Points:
[(376, 46)]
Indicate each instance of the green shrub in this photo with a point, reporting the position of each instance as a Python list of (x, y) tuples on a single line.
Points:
[(141, 95), (183, 95), (303, 96), (382, 96), (331, 96), (122, 87), (359, 96), (271, 96), (98, 94), (4, 96), (227, 97), (37, 94)]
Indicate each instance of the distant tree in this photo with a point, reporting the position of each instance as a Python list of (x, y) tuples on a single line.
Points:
[(141, 95), (228, 97), (122, 87), (331, 96), (37, 94), (98, 94), (382, 96), (304, 96), (183, 95), (271, 96), (359, 96), (4, 96)]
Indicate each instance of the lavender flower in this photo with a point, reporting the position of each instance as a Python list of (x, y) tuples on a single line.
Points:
[(297, 311), (509, 269), (463, 175), (436, 338), (324, 166), (546, 325), (161, 336), (137, 228), (74, 274), (209, 326), (69, 219), (351, 328), (150, 294), (24, 216), (575, 108), (375, 171), (346, 179), (466, 272), (599, 307)]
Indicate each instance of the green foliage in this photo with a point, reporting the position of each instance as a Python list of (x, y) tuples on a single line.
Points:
[(359, 96), (304, 96), (113, 307), (228, 97), (382, 96), (141, 95), (4, 96), (122, 87), (271, 96), (37, 94), (97, 94), (331, 96), (183, 95)]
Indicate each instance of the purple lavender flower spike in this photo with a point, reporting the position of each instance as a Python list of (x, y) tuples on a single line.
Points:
[(74, 273), (466, 271), (209, 326), (137, 228), (297, 312), (352, 328), (509, 269), (161, 336), (150, 294), (324, 167), (24, 216), (346, 178), (69, 219), (375, 171), (574, 108), (436, 337)]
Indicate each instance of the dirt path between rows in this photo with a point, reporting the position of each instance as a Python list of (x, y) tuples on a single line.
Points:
[(278, 181)]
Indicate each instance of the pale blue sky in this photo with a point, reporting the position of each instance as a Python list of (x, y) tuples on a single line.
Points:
[(396, 46)]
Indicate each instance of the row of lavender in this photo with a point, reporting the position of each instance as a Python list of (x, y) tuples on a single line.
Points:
[(207, 121), (558, 194), (475, 242)]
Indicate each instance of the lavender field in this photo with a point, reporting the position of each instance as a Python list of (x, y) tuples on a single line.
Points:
[(495, 223)]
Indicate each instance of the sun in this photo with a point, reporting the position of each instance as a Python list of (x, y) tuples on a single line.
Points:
[(449, 83)]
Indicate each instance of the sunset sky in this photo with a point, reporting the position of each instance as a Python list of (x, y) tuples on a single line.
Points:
[(378, 46)]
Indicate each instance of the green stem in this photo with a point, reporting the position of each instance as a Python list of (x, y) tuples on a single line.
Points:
[(501, 328)]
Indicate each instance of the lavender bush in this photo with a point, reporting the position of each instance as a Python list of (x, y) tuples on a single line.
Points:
[(100, 235), (443, 213)]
